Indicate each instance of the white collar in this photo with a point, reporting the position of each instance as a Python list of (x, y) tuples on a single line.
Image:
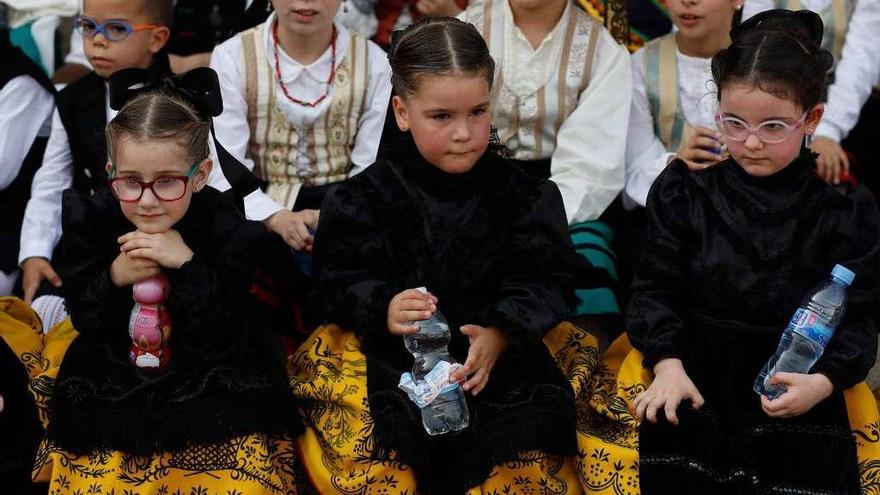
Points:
[(291, 70)]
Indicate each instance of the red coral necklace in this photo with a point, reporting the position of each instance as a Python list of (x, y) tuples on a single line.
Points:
[(329, 79)]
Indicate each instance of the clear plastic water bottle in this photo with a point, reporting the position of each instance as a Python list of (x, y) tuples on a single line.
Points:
[(449, 411), (808, 332)]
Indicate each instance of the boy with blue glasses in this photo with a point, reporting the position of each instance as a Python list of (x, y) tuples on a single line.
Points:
[(117, 34)]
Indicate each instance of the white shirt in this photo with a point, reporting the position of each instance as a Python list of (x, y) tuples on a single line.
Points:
[(587, 164), (42, 218), (857, 71), (25, 113), (309, 82), (646, 155)]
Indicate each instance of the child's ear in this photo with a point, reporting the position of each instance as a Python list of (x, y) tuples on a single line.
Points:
[(200, 179), (108, 167), (158, 38), (400, 114), (813, 119)]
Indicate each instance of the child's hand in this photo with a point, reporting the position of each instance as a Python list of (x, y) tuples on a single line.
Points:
[(166, 248), (832, 159), (409, 305), (670, 387), (804, 392), (295, 227), (702, 149), (33, 271), (487, 344), (128, 270)]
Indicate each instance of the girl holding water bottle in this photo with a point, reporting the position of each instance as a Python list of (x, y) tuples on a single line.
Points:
[(732, 250), (439, 209)]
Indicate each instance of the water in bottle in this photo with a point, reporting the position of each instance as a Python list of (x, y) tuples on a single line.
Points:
[(429, 346), (808, 332)]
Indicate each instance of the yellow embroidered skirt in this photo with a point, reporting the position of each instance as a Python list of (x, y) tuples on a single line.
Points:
[(252, 464), (608, 435), (329, 372)]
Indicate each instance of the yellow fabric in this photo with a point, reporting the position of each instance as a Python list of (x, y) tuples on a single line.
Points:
[(253, 464), (329, 372), (610, 435)]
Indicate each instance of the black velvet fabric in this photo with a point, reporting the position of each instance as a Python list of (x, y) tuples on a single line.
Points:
[(729, 258), (492, 244), (226, 375)]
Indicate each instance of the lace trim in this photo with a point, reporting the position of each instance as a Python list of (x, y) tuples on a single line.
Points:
[(731, 475), (702, 468)]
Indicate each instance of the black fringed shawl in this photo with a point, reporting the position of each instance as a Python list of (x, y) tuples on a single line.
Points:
[(226, 375), (492, 244)]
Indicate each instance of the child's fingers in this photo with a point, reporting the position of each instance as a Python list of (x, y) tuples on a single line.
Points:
[(413, 315), (670, 409), (699, 154), (642, 407), (475, 380), (415, 305), (784, 378), (142, 253), (127, 237), (706, 142), (51, 276), (470, 330), (711, 133), (696, 398), (651, 410), (399, 329), (482, 385)]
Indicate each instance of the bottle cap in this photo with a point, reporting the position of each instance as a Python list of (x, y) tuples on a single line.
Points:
[(424, 290), (843, 274)]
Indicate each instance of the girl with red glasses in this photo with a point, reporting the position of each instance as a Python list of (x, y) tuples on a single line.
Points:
[(221, 401)]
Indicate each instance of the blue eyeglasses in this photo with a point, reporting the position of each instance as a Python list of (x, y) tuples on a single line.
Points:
[(113, 30)]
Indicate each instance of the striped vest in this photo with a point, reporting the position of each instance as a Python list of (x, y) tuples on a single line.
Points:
[(285, 156), (836, 19), (661, 87), (528, 124)]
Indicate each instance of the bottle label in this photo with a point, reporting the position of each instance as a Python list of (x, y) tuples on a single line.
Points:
[(436, 382), (808, 324)]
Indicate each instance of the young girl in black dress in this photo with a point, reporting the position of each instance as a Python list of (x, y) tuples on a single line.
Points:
[(731, 252), (491, 245)]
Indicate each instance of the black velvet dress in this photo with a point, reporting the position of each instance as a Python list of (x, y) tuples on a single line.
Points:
[(226, 371), (492, 244), (729, 258)]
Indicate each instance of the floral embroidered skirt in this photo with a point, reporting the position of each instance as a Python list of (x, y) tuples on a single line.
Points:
[(329, 372), (669, 467), (251, 464)]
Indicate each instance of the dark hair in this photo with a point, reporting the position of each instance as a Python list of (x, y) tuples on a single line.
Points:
[(778, 51), (158, 11), (163, 116), (437, 46)]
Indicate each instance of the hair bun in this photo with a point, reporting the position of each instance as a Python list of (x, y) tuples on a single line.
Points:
[(805, 25)]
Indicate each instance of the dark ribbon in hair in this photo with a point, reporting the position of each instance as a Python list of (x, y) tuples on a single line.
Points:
[(800, 24), (201, 89)]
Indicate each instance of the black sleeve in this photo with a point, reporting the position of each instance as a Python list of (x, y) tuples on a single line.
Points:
[(350, 256), (210, 298), (98, 308), (539, 264), (654, 318), (855, 245)]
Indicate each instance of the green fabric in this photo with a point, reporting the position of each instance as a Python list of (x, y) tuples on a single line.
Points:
[(24, 39), (592, 240)]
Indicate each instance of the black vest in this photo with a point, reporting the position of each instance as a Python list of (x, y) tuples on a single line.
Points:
[(14, 198), (82, 106)]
